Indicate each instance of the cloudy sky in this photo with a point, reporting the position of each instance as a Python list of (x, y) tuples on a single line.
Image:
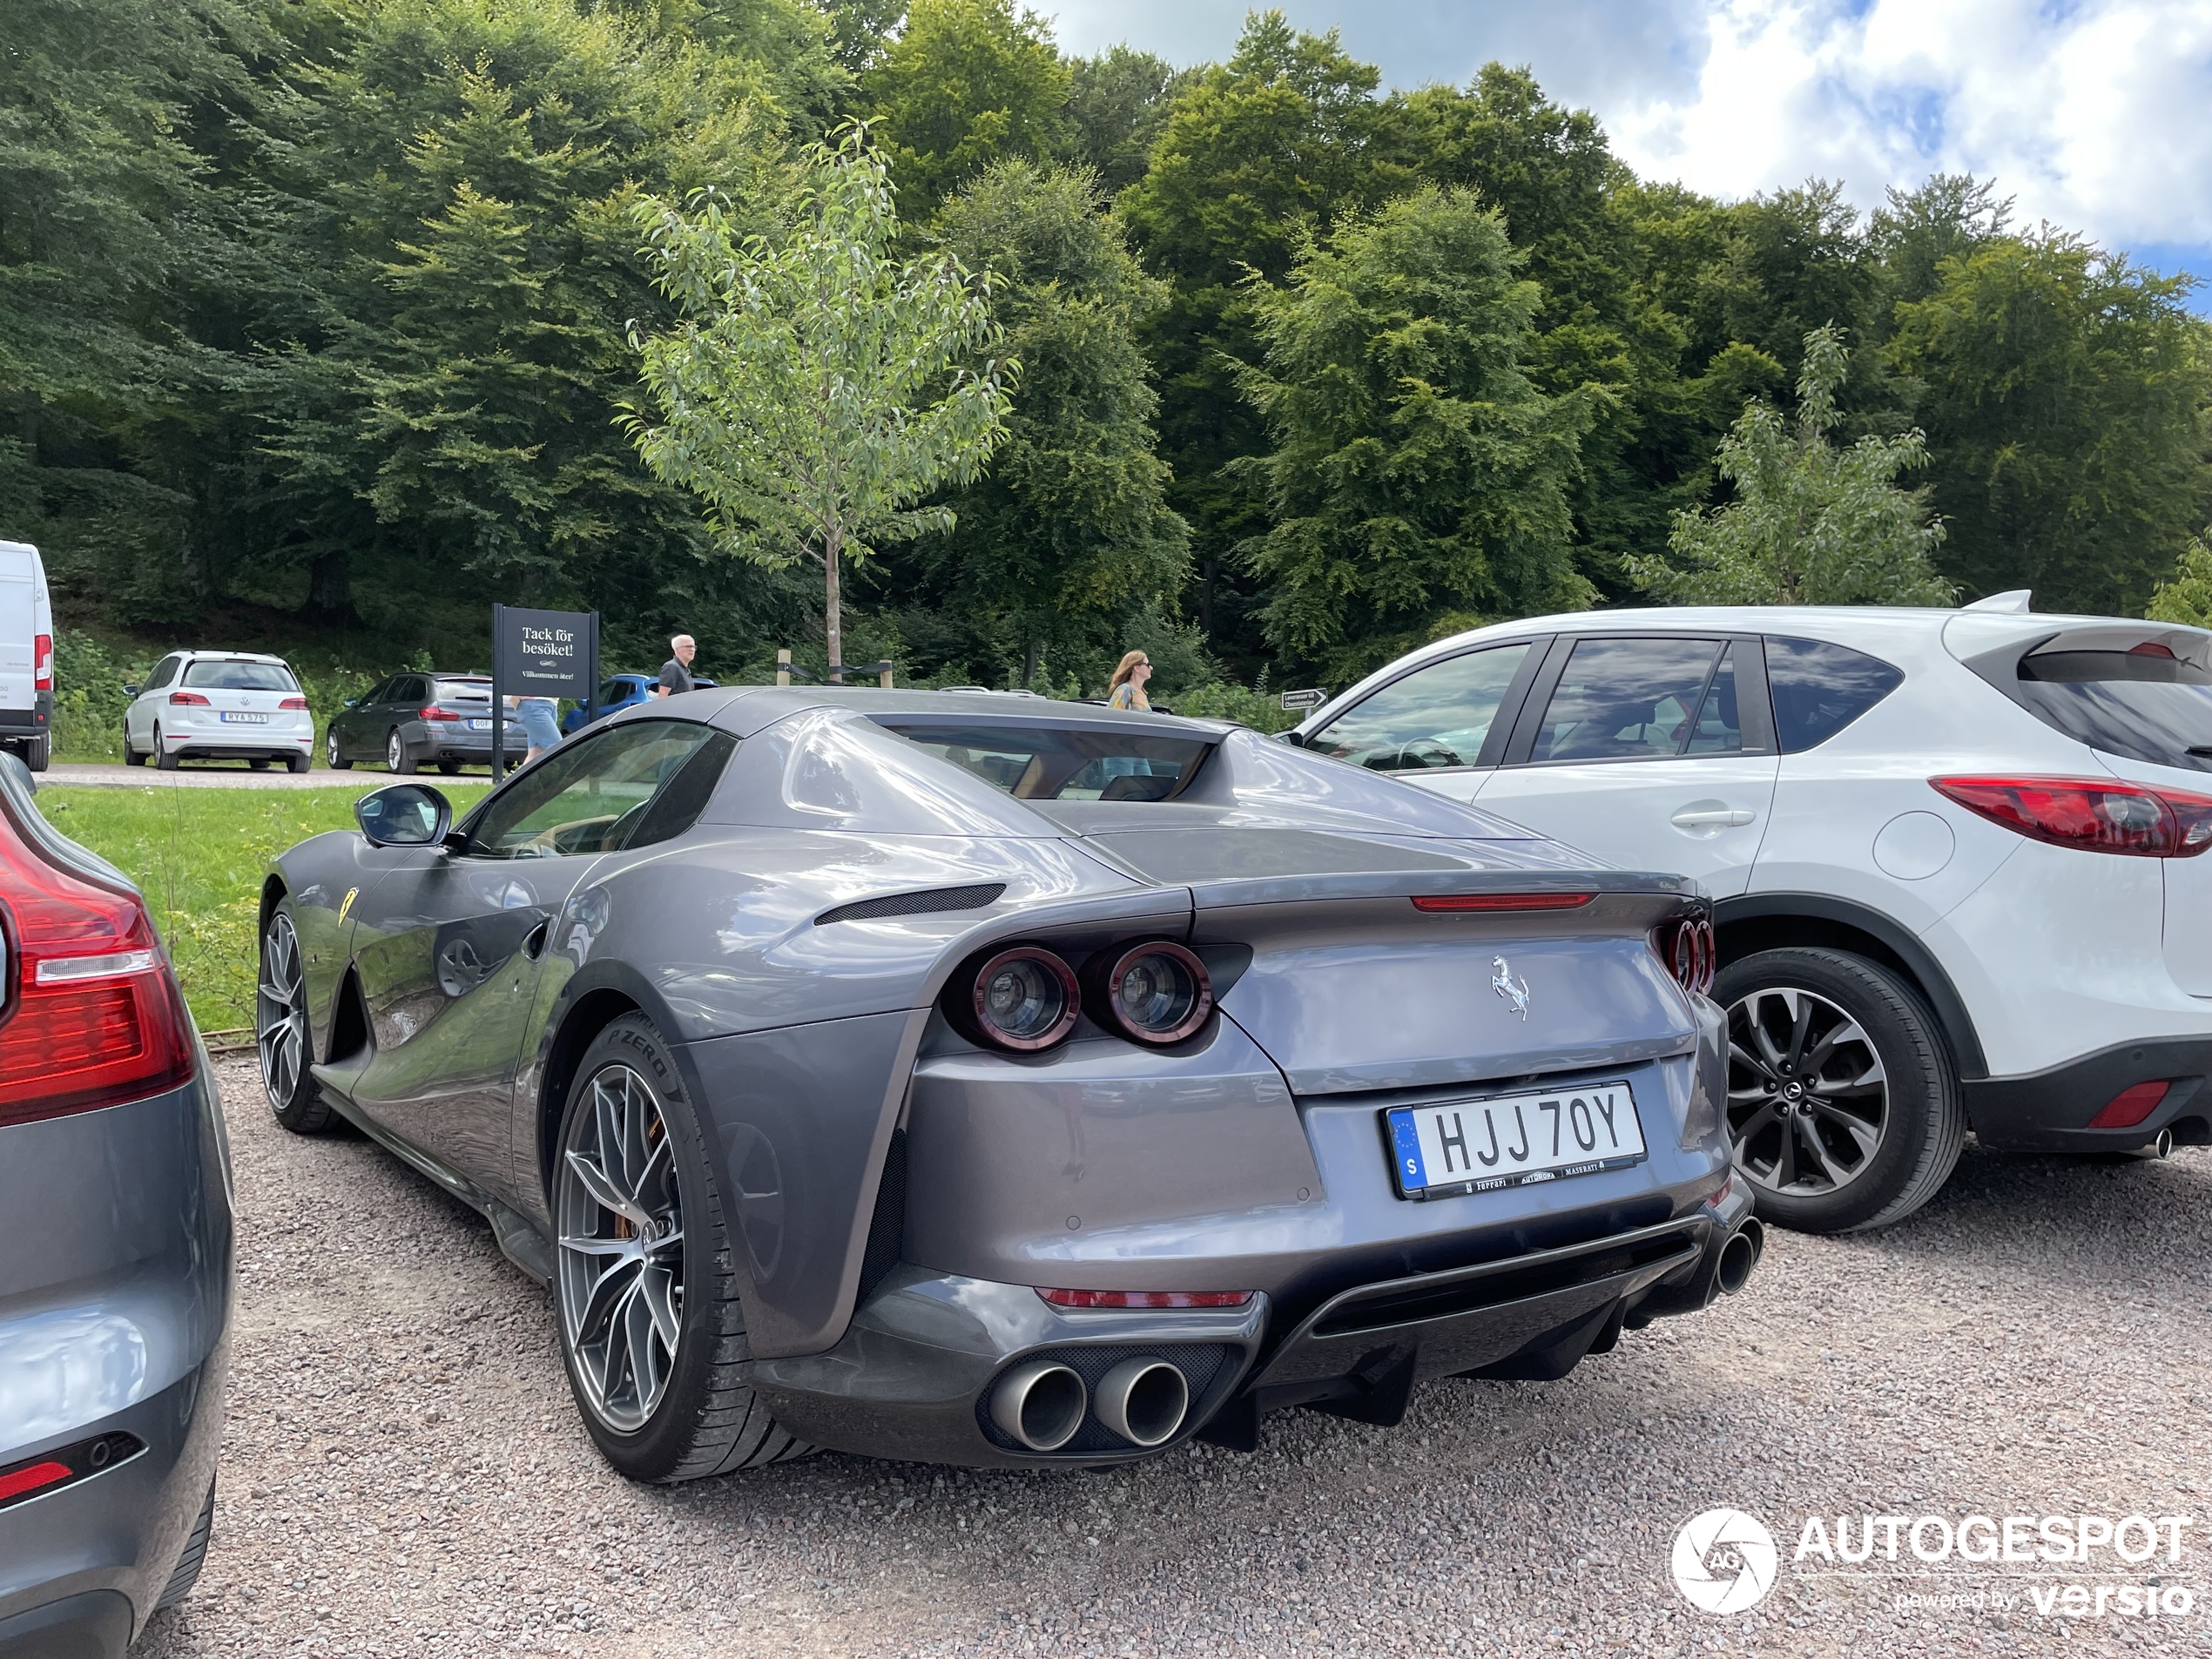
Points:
[(2094, 114)]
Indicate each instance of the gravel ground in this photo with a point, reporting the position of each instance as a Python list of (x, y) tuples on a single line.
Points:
[(405, 1474)]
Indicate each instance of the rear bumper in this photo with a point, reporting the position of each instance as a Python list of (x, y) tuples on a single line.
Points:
[(915, 1374), (217, 743), (30, 722), (115, 1306), (2050, 1110)]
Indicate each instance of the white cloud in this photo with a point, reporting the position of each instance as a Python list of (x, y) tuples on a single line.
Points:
[(2093, 116)]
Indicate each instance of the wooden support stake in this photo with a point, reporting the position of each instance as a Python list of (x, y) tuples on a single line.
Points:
[(783, 666)]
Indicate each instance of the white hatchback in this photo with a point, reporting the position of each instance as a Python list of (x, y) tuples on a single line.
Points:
[(219, 705), (1956, 857)]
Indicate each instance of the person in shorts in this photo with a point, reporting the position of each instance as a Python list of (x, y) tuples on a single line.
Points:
[(675, 672), (540, 730)]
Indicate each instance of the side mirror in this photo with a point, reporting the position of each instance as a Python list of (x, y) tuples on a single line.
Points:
[(349, 702), (17, 768), (404, 815), (130, 691)]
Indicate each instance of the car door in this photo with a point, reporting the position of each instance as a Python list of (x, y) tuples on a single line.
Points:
[(1440, 725), (1654, 751), (348, 724), (139, 719), (445, 946)]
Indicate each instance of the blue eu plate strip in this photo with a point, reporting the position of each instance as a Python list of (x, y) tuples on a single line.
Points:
[(1406, 1142)]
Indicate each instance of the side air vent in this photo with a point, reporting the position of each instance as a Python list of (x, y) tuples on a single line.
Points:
[(915, 904)]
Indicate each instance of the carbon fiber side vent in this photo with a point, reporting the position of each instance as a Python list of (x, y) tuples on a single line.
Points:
[(915, 904)]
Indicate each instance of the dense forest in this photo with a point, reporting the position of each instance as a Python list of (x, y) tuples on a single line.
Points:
[(316, 325)]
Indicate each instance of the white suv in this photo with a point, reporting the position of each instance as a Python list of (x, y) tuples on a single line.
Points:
[(1955, 856), (219, 705)]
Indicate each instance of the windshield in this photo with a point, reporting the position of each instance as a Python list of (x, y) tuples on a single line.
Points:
[(240, 676), (1036, 762), (2144, 703)]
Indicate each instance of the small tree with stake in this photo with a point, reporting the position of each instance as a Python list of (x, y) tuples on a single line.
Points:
[(1810, 523), (816, 386)]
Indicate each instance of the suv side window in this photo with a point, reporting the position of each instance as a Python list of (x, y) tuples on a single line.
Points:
[(1436, 715), (1820, 689), (594, 795), (1641, 699), (163, 671)]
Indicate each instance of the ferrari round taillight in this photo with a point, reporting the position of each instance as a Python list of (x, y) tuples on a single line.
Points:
[(1023, 999), (1154, 992), (1688, 949)]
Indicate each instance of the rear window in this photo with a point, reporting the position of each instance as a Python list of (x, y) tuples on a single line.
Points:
[(1069, 763), (240, 676), (2143, 705), (1819, 688), (462, 691)]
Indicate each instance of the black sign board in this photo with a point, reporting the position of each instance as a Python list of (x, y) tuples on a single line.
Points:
[(540, 653)]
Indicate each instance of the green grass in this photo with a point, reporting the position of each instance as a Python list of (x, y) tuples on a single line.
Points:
[(199, 854)]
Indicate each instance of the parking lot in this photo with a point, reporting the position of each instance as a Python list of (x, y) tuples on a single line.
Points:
[(405, 1473)]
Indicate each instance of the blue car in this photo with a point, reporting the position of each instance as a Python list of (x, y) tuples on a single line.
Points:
[(619, 692)]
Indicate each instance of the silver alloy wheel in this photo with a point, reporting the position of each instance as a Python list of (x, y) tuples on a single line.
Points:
[(280, 1014), (1808, 1100), (394, 752), (330, 748), (621, 1232)]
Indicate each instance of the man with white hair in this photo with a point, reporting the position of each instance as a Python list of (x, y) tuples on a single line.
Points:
[(675, 672)]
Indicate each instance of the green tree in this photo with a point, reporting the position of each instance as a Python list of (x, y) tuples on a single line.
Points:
[(1418, 479), (967, 82), (2186, 596), (816, 386), (1070, 533), (1118, 102), (1255, 154), (1810, 523), (2067, 395), (392, 428)]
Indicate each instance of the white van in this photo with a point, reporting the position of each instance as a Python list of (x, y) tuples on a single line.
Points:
[(26, 655)]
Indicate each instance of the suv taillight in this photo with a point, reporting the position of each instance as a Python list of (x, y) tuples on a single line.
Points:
[(294, 703), (434, 713), (92, 1017), (188, 699), (41, 659), (2092, 814)]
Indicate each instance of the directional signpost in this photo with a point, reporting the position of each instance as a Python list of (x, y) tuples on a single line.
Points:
[(1313, 699), (540, 653)]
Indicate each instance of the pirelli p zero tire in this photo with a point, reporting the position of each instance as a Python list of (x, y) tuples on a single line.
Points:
[(651, 1328), (188, 1565), (281, 1032), (1843, 1108)]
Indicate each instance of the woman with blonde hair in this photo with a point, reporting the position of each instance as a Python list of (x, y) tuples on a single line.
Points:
[(1126, 689)]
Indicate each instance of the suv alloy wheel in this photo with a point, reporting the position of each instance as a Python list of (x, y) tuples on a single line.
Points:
[(1842, 1107)]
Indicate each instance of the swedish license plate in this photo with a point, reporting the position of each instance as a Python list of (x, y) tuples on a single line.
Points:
[(479, 726), (230, 717), (1464, 1146)]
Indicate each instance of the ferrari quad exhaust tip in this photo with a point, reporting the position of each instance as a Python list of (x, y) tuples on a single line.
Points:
[(1040, 1404), (1739, 1256), (1144, 1401)]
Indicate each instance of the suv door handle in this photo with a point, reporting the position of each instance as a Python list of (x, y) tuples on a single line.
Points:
[(1703, 815)]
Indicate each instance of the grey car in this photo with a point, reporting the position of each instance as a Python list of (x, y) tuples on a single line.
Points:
[(115, 1281), (419, 719), (989, 1080)]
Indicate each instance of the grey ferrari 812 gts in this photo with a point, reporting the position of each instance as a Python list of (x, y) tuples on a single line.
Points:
[(984, 1080)]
